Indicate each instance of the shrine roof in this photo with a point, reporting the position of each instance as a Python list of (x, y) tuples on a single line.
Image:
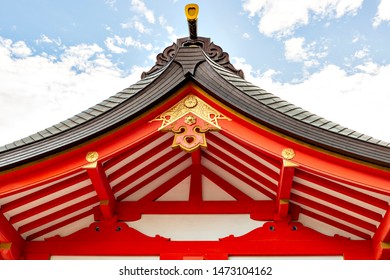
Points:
[(200, 61)]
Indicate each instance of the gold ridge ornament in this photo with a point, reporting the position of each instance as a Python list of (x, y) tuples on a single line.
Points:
[(189, 120)]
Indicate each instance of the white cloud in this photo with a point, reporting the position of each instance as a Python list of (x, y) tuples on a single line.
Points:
[(246, 36), (141, 8), (17, 49), (296, 50), (114, 44), (137, 25), (383, 13), (39, 91), (129, 41), (358, 101), (369, 67), (282, 17), (44, 39), (362, 53), (140, 27), (111, 44)]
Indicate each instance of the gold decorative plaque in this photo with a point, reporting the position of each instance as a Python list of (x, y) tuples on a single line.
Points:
[(189, 120)]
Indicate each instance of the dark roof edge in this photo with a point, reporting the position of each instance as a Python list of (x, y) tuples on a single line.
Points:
[(262, 107)]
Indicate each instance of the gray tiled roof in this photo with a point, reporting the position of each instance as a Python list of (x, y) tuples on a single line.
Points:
[(86, 115), (282, 106)]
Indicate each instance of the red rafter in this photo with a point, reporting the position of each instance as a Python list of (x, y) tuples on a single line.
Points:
[(60, 224), (267, 157), (242, 177), (335, 224), (103, 189), (42, 193), (57, 215), (226, 186), (123, 170), (131, 150), (145, 170), (235, 151), (166, 186), (246, 170), (338, 202), (335, 213), (32, 186), (342, 189), (153, 177), (50, 204), (284, 188)]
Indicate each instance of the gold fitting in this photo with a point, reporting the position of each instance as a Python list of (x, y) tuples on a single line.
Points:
[(385, 245), (284, 201), (191, 11), (104, 202), (288, 153), (92, 156), (5, 245)]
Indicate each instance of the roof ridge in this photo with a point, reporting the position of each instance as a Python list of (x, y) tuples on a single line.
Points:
[(212, 51)]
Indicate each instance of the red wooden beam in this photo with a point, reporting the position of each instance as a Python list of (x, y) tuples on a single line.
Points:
[(146, 170), (338, 202), (272, 239), (226, 186), (381, 238), (251, 173), (271, 159), (284, 188), (57, 215), (44, 192), (102, 187), (196, 176), (131, 150), (61, 224), (342, 189), (256, 185), (338, 214), (51, 204), (11, 243), (126, 210), (166, 186), (335, 224), (142, 158), (235, 151)]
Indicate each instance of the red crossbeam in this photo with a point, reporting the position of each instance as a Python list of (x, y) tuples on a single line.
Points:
[(272, 239), (125, 210)]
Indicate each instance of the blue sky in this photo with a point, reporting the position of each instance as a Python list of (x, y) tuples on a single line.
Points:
[(57, 58)]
